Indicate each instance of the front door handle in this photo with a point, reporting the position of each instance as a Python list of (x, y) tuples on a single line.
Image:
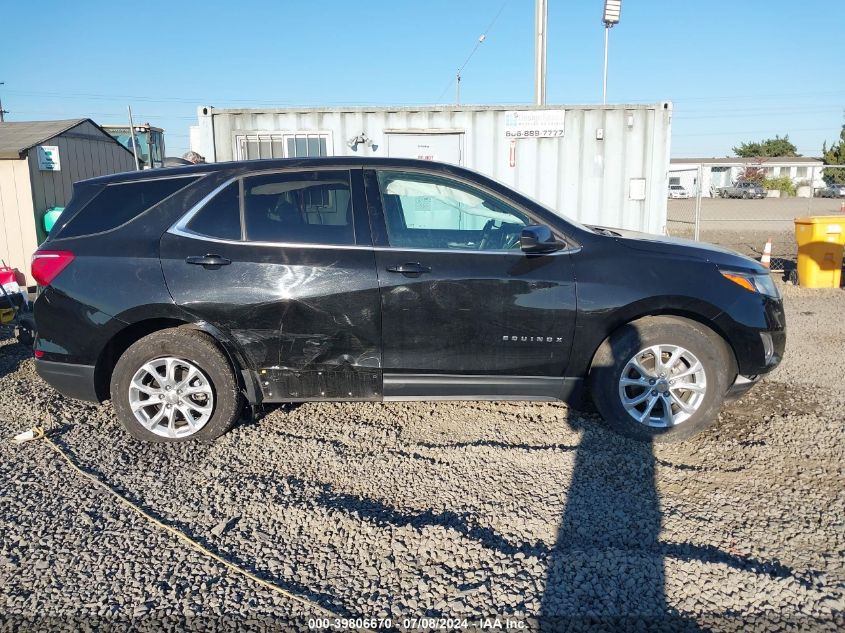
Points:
[(208, 260), (410, 269)]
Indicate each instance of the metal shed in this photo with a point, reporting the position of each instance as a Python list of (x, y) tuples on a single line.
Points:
[(39, 162), (604, 165)]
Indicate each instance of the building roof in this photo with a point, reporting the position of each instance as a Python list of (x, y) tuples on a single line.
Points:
[(17, 137), (731, 160)]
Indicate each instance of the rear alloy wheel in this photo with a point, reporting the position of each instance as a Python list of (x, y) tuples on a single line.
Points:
[(175, 385), (171, 397), (661, 378)]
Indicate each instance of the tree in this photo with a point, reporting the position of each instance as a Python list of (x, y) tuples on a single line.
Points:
[(767, 148), (752, 174), (835, 156)]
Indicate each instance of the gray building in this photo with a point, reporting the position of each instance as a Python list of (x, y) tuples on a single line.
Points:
[(803, 171), (598, 164), (39, 162)]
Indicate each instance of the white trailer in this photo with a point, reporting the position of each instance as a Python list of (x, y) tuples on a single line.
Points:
[(605, 165)]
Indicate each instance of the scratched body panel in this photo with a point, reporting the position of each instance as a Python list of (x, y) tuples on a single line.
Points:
[(289, 309)]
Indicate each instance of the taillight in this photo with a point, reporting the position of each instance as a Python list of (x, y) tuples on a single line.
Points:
[(46, 265)]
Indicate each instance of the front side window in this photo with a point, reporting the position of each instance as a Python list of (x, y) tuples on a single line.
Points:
[(302, 207), (427, 211)]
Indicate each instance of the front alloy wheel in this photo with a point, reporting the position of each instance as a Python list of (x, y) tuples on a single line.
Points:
[(661, 378), (662, 386)]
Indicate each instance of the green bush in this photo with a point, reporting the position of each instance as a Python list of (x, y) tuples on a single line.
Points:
[(783, 184)]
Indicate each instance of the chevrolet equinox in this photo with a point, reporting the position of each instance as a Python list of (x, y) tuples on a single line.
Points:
[(182, 293)]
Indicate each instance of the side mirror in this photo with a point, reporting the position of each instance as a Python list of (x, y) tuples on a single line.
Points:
[(538, 238)]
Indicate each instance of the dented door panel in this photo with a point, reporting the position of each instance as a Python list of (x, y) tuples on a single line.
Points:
[(292, 310)]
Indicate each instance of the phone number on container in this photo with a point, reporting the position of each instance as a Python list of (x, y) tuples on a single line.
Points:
[(533, 133), (443, 624)]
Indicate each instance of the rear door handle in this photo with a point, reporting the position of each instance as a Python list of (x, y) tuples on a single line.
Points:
[(208, 260), (410, 269)]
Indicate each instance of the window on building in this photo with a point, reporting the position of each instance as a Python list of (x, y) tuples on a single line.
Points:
[(786, 171), (283, 145), (426, 211), (801, 172), (220, 217), (118, 203), (302, 207)]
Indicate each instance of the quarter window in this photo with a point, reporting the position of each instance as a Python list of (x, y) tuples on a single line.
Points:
[(426, 211), (304, 207), (220, 217), (118, 203)]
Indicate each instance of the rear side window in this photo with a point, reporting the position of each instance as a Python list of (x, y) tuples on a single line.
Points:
[(303, 207), (119, 203)]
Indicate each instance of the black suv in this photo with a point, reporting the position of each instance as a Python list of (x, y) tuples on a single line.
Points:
[(180, 293)]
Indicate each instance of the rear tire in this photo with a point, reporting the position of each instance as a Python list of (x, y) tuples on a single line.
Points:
[(669, 412), (151, 371)]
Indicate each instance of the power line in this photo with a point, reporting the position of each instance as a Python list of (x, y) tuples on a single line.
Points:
[(478, 43)]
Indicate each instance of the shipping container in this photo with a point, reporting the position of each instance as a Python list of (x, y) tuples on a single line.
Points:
[(605, 165)]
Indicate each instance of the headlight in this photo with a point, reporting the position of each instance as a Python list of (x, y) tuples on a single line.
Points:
[(761, 283)]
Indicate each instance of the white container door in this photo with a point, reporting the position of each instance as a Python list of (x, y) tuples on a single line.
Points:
[(444, 148)]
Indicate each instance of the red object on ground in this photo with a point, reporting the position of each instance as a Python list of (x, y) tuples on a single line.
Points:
[(8, 275)]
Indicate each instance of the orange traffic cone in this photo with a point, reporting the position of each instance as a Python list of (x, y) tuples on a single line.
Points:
[(766, 259), (842, 207)]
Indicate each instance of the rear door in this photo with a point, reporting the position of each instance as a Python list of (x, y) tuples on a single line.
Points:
[(282, 264), (464, 312)]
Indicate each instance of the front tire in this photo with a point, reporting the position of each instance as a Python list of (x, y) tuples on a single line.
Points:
[(661, 379), (175, 385)]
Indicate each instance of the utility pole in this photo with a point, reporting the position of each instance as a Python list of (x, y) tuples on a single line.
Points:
[(2, 111), (612, 11), (132, 137), (541, 21), (458, 88)]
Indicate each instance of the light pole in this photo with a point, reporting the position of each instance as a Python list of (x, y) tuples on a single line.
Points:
[(2, 111), (612, 11), (541, 21)]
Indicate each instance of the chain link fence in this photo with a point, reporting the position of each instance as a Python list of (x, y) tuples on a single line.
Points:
[(742, 205)]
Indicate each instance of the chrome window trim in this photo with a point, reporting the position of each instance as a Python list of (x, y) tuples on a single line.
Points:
[(180, 226), (360, 247)]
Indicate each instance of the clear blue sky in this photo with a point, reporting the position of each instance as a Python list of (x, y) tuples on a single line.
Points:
[(735, 70)]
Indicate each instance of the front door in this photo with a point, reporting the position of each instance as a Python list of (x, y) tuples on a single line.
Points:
[(279, 264), (464, 312)]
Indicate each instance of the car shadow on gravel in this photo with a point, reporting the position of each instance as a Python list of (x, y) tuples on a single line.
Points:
[(607, 567)]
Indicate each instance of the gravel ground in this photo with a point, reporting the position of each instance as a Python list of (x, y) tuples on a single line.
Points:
[(453, 509)]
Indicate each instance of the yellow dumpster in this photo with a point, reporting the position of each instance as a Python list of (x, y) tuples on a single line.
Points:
[(820, 243)]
